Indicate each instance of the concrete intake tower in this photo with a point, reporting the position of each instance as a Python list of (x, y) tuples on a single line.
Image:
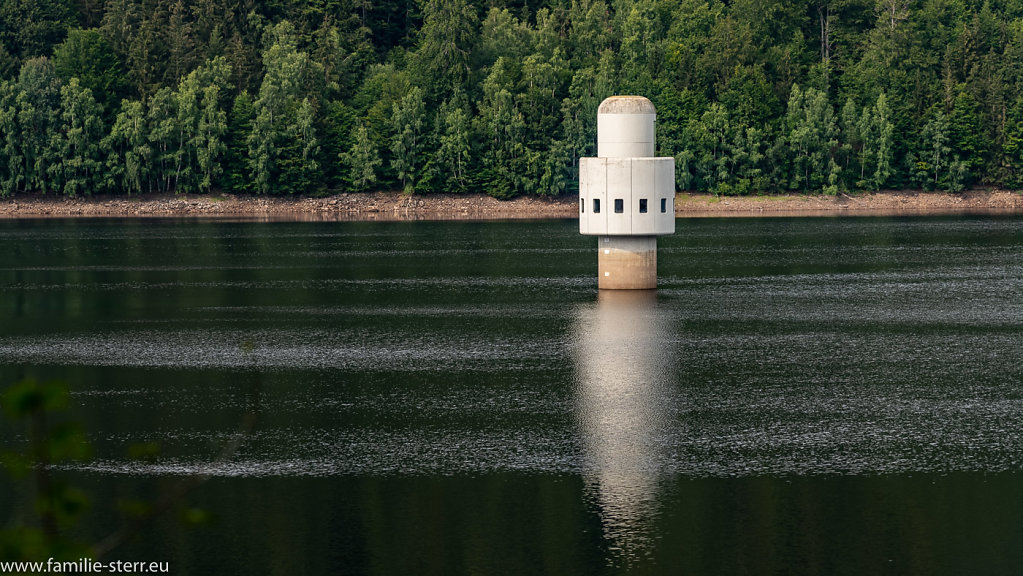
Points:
[(626, 195)]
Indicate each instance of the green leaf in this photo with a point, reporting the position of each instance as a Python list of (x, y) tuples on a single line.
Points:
[(30, 397)]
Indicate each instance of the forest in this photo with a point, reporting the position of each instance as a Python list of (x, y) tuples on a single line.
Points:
[(500, 96)]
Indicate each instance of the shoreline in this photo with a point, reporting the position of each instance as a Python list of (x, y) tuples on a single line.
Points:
[(394, 206)]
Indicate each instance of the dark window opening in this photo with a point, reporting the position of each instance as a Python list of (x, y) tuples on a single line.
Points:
[(619, 206), (642, 205), (664, 205), (596, 205), (582, 205)]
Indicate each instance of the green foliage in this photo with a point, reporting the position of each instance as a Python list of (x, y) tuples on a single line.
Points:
[(30, 28), (807, 143), (749, 96), (866, 155), (934, 163), (236, 175), (77, 142), (283, 145), (968, 133), (341, 46), (268, 97), (38, 117), (1012, 161), (361, 160), (407, 138), (879, 142), (446, 40), (128, 150), (503, 130), (89, 57), (12, 171), (46, 529), (299, 164), (503, 34), (164, 138), (51, 439), (454, 148), (202, 126)]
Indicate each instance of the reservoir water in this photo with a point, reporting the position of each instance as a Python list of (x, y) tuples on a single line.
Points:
[(805, 395)]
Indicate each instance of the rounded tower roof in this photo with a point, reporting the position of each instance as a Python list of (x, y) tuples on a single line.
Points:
[(626, 105)]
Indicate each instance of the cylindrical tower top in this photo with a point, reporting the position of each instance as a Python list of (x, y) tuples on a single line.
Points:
[(626, 105), (625, 127)]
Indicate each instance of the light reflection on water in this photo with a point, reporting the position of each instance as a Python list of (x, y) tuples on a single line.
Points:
[(625, 371), (822, 364), (276, 349)]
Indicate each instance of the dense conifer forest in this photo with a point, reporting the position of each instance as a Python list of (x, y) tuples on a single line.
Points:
[(319, 96)]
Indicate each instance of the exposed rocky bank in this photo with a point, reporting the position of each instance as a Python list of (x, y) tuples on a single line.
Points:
[(396, 206)]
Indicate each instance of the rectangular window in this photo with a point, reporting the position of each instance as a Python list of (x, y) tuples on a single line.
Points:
[(582, 205), (619, 206), (642, 205), (664, 205), (596, 205)]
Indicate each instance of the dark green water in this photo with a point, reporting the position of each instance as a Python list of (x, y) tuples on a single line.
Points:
[(811, 396)]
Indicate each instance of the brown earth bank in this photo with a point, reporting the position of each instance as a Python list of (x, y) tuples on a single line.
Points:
[(396, 206)]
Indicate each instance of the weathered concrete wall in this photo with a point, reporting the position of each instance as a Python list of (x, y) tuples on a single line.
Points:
[(627, 263), (625, 127), (644, 186)]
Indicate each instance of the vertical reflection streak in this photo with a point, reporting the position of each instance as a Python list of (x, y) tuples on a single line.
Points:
[(625, 376)]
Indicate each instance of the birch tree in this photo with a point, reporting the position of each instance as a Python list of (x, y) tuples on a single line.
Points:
[(77, 141)]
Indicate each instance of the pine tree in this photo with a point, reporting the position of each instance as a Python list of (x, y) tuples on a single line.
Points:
[(145, 58), (179, 37), (187, 106), (503, 128), (1012, 148), (591, 32), (851, 146), (968, 135), (446, 40), (642, 40), (406, 139), (299, 159), (361, 160), (884, 133), (709, 148), (236, 175), (502, 34), (747, 157), (31, 28)]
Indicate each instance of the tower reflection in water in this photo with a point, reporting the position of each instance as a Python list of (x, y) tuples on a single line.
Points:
[(624, 402)]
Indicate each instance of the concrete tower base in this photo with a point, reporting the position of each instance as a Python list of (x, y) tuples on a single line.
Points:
[(627, 263)]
